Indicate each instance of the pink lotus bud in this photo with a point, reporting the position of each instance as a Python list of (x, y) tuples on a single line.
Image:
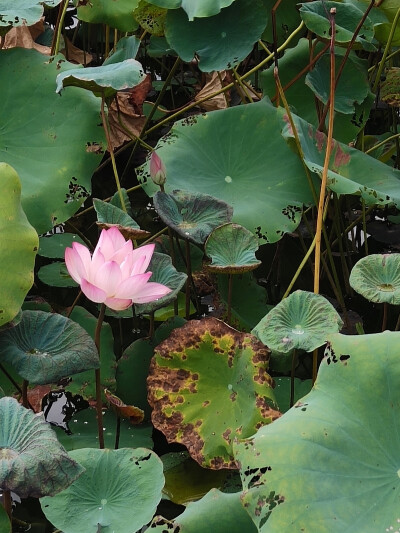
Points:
[(157, 169), (116, 273)]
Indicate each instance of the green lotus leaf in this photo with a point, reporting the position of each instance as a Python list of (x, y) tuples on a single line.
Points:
[(45, 347), (287, 20), (327, 465), (220, 42), (303, 321), (50, 150), (377, 278), (126, 48), (353, 86), (5, 524), (300, 97), (194, 8), (53, 246), (164, 273), (186, 481), (192, 215), (350, 170), (32, 462), (119, 491), (216, 511), (282, 391), (118, 13), (316, 17), (18, 246), (232, 249), (208, 384), (56, 275), (20, 12), (205, 154), (151, 18), (84, 432), (104, 80), (110, 215), (84, 383), (248, 304)]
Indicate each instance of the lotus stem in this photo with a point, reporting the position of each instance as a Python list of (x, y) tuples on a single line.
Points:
[(229, 311), (25, 402), (314, 365), (117, 433), (292, 376), (385, 315), (99, 403), (386, 51), (55, 47), (173, 259), (397, 324), (7, 503), (74, 303)]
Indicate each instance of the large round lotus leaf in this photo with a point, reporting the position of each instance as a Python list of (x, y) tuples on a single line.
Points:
[(118, 13), (303, 321), (106, 79), (301, 98), (216, 511), (32, 462), (353, 86), (220, 42), (192, 215), (377, 278), (331, 464), (165, 273), (53, 246), (20, 12), (350, 170), (5, 524), (208, 384), (18, 246), (232, 250), (50, 149), (56, 275), (84, 383), (119, 492), (194, 8), (45, 347), (206, 154), (316, 17)]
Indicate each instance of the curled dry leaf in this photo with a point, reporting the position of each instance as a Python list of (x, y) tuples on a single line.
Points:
[(134, 414), (24, 37), (213, 84), (124, 117), (74, 54)]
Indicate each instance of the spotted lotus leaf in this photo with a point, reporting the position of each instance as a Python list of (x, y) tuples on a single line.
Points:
[(377, 278), (32, 462), (192, 215), (331, 463), (208, 384)]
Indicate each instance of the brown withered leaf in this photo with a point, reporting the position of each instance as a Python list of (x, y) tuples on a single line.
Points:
[(122, 410), (213, 84), (36, 395), (122, 110), (23, 37), (134, 234), (74, 54)]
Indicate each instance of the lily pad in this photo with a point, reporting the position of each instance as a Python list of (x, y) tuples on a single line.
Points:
[(350, 170), (205, 154), (53, 246), (45, 347), (50, 151), (56, 275), (192, 215), (232, 249), (303, 321), (377, 278), (221, 41), (104, 80), (208, 384), (330, 464), (216, 511), (20, 12), (118, 13), (119, 491), (316, 17), (194, 8), (162, 272), (18, 246), (32, 462)]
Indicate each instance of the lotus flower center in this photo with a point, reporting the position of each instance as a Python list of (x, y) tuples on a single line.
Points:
[(386, 287), (7, 454), (228, 179), (298, 330)]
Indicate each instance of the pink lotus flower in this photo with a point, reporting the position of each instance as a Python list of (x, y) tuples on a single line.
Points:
[(158, 172), (116, 273)]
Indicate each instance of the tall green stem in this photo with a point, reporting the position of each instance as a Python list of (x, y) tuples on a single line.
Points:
[(7, 503), (99, 402)]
